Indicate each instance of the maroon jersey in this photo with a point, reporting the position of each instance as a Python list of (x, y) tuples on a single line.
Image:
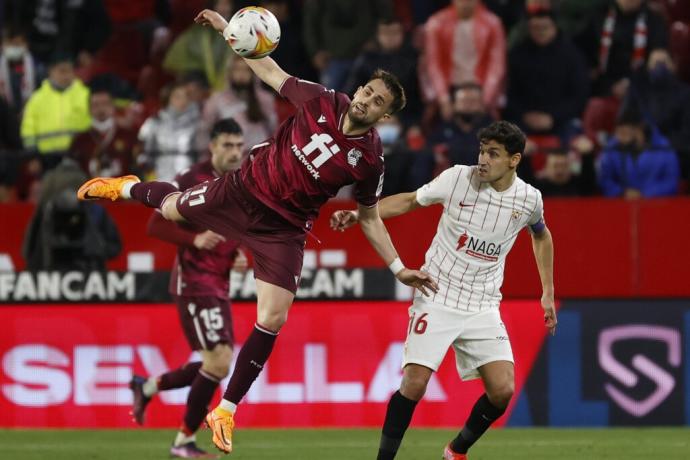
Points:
[(309, 159), (200, 272)]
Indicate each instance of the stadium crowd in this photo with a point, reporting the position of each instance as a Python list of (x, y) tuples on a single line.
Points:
[(121, 87)]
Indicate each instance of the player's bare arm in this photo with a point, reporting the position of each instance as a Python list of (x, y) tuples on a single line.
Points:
[(542, 244), (376, 233), (265, 68), (390, 206)]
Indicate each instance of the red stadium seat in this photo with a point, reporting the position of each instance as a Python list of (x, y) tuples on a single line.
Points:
[(599, 118)]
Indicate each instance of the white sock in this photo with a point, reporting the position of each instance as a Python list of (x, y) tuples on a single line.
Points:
[(150, 387), (182, 438), (126, 188), (228, 406)]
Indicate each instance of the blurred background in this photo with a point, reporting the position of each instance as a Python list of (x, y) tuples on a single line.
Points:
[(113, 87)]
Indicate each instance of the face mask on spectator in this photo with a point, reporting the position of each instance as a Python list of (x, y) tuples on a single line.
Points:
[(468, 117), (388, 133), (660, 73), (14, 53), (103, 126)]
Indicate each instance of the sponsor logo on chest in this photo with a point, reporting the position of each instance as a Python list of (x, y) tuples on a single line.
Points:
[(316, 152), (478, 248)]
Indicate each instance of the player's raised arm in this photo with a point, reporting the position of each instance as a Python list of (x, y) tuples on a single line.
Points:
[(268, 71), (390, 206), (376, 233), (265, 68)]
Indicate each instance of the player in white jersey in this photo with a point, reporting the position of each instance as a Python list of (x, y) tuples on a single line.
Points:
[(485, 207)]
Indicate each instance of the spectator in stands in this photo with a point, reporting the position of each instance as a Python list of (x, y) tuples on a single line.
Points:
[(10, 157), (56, 111), (457, 139), (66, 234), (465, 42), (335, 32), (78, 28), (638, 161), (202, 49), (19, 73), (291, 55), (667, 101), (244, 100), (169, 136), (408, 166), (569, 173), (618, 41), (547, 85), (395, 55), (106, 149), (198, 89)]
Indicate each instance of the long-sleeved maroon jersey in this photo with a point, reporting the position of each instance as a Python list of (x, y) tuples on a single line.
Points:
[(309, 159)]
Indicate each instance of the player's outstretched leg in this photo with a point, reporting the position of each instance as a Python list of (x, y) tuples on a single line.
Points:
[(151, 194), (144, 389), (400, 409)]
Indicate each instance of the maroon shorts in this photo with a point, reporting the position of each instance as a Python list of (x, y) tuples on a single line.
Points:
[(225, 207), (206, 321)]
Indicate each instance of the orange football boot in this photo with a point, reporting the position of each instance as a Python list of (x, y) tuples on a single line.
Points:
[(221, 422), (104, 188)]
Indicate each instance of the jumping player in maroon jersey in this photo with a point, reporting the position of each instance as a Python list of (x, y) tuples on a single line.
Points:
[(269, 203), (199, 284)]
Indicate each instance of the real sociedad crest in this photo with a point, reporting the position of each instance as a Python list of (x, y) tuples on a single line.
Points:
[(353, 157)]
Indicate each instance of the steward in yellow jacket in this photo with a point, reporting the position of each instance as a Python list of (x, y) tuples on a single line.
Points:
[(56, 111)]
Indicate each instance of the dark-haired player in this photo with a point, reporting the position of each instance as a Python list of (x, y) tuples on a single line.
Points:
[(268, 205), (199, 285), (485, 207)]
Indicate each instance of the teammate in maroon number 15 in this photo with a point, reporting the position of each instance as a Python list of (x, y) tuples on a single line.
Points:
[(199, 284), (268, 205)]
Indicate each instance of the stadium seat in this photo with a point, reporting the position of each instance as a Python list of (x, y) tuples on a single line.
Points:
[(599, 118)]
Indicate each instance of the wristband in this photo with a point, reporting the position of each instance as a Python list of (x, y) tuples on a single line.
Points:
[(396, 266), (226, 32)]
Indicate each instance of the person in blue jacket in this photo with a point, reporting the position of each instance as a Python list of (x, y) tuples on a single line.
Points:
[(638, 161)]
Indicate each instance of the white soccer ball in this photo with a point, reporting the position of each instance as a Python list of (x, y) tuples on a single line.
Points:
[(253, 32)]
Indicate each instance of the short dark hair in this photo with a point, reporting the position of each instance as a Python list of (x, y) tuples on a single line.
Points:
[(225, 126), (100, 90), (506, 134), (394, 86)]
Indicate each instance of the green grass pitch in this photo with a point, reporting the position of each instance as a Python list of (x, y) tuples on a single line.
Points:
[(533, 444)]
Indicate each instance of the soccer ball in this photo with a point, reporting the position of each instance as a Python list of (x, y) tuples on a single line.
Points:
[(253, 32)]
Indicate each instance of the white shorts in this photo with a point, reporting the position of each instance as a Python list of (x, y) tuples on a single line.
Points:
[(478, 337)]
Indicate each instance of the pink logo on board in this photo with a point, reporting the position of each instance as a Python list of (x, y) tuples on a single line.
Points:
[(627, 378)]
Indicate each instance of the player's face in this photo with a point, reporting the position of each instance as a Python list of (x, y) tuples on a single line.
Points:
[(226, 152), (495, 161), (370, 103)]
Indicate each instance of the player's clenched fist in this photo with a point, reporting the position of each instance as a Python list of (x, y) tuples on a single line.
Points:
[(342, 220)]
